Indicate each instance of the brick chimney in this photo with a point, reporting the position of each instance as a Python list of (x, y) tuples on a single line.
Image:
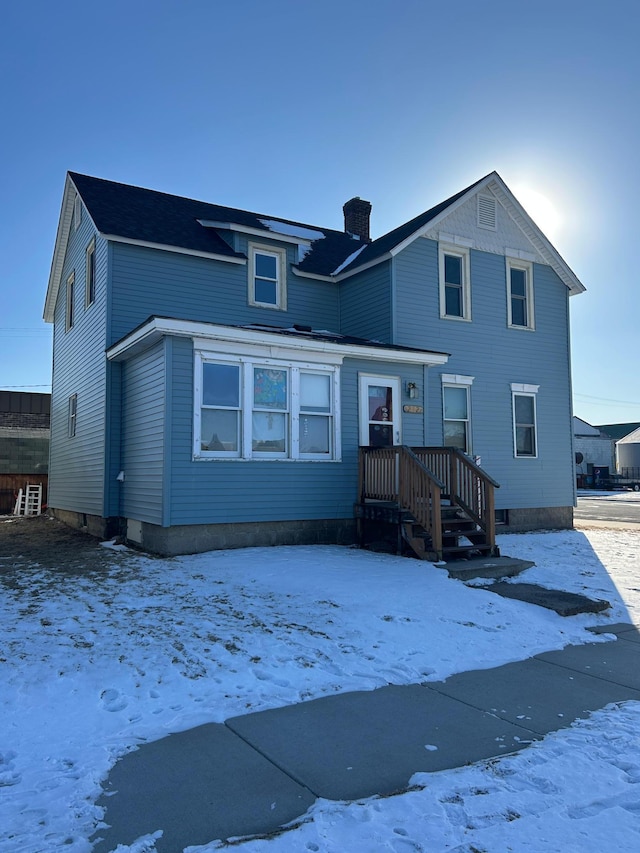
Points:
[(356, 217)]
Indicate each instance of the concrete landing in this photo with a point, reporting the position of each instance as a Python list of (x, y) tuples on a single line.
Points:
[(564, 603), (487, 567)]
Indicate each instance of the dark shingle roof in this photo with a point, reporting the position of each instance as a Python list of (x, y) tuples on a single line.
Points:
[(149, 216), (154, 217), (618, 431)]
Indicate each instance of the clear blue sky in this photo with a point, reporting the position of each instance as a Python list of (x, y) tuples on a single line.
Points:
[(290, 108)]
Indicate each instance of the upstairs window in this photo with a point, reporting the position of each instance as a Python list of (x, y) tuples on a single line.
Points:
[(267, 269), (90, 288), (520, 294), (455, 291), (70, 304), (525, 438)]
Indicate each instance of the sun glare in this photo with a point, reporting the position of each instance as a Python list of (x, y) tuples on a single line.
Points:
[(541, 210)]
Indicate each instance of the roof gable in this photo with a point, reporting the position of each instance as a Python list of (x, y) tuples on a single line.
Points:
[(428, 225)]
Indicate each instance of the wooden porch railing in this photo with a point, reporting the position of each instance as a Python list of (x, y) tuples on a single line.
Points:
[(419, 478)]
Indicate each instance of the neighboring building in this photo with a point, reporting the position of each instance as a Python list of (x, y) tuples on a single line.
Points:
[(595, 447), (24, 443), (628, 454), (216, 370)]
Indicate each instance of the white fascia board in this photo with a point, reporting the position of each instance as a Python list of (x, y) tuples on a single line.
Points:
[(155, 329), (60, 248), (328, 278), (386, 257), (264, 233), (114, 238), (528, 227), (343, 275)]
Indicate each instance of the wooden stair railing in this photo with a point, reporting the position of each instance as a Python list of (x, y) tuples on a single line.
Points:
[(466, 485), (418, 478), (397, 474)]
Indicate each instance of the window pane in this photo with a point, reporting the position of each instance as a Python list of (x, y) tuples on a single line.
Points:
[(266, 291), (455, 403), (452, 269), (380, 435), (269, 388), (524, 409), (380, 403), (314, 434), (269, 432), (220, 385), (219, 430), (266, 266), (315, 392), (518, 282), (525, 445), (518, 312), (453, 301), (455, 434)]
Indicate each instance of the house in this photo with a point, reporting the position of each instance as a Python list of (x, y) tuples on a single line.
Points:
[(225, 378), (24, 444)]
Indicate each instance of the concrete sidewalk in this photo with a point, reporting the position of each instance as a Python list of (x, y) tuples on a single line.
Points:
[(255, 773)]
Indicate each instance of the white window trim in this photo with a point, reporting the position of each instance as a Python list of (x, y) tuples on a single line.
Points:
[(454, 380), (463, 253), (69, 318), (527, 266), (524, 390), (281, 283), (245, 451), (90, 250)]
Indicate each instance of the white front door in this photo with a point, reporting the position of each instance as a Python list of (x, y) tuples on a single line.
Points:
[(380, 416)]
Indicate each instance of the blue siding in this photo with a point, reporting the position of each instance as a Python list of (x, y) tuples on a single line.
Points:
[(365, 304), (143, 398), (76, 471), (497, 356), (152, 281), (204, 492)]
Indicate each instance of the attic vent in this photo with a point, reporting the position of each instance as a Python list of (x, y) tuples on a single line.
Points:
[(487, 212)]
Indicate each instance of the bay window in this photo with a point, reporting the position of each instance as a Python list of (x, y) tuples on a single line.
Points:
[(264, 409)]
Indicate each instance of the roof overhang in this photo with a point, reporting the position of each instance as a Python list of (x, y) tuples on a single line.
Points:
[(278, 345), (62, 235)]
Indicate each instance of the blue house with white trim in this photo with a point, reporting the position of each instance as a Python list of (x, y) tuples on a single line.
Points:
[(224, 378)]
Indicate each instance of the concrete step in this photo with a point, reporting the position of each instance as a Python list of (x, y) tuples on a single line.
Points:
[(486, 567)]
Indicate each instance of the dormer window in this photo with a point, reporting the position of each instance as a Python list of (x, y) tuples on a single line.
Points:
[(267, 277)]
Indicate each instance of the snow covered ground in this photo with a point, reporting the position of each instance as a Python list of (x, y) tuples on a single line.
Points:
[(95, 663)]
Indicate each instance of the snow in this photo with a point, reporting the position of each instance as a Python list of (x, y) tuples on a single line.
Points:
[(95, 663), (348, 260), (292, 230)]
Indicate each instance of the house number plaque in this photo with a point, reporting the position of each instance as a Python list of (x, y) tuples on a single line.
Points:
[(413, 410)]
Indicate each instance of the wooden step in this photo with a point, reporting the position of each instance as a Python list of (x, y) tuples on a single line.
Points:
[(461, 551)]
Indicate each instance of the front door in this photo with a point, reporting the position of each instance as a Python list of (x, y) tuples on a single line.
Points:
[(380, 419)]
